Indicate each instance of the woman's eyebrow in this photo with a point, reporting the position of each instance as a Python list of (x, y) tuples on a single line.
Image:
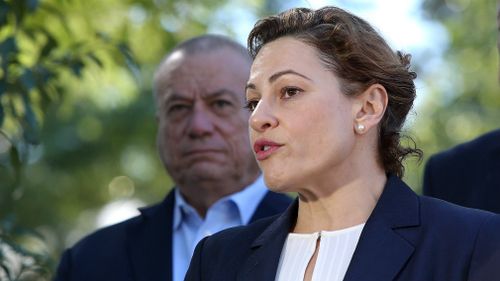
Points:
[(277, 75), (284, 72)]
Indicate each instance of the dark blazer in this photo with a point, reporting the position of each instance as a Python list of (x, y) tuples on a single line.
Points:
[(468, 174), (139, 248), (407, 237)]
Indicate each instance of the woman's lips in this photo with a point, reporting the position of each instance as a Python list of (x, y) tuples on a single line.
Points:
[(264, 148)]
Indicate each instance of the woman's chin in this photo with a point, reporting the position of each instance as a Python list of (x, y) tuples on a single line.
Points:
[(277, 184)]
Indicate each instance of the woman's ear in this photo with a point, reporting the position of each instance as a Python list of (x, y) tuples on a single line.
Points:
[(371, 106)]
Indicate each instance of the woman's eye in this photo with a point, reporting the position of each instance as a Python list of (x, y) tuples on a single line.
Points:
[(251, 105), (289, 92)]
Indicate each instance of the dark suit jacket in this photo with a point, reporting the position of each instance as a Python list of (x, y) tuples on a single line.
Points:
[(139, 248), (407, 237), (468, 174)]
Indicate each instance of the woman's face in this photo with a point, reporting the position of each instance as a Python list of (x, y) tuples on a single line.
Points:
[(301, 127)]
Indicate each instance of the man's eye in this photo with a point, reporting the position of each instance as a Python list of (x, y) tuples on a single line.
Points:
[(289, 92), (177, 108), (221, 103), (251, 105)]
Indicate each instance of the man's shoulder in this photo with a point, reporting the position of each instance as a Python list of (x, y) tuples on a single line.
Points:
[(107, 236), (483, 145), (435, 211), (113, 237)]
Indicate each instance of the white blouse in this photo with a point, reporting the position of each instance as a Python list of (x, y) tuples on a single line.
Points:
[(334, 254)]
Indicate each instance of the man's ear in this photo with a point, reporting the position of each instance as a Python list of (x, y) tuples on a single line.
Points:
[(370, 108)]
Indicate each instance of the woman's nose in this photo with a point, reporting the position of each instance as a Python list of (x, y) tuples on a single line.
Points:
[(263, 117)]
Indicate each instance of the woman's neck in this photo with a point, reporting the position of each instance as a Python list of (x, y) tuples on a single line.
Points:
[(347, 204)]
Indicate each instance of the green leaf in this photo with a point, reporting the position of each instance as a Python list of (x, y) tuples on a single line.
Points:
[(7, 271), (43, 75), (19, 10), (4, 11), (49, 46), (95, 59), (30, 125), (15, 161), (32, 5), (56, 12), (2, 114), (76, 67), (129, 60), (27, 80), (7, 47), (3, 86)]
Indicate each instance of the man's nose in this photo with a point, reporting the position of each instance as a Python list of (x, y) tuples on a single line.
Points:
[(263, 117), (201, 124)]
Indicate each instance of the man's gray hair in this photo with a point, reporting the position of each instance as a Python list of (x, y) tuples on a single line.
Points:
[(202, 44)]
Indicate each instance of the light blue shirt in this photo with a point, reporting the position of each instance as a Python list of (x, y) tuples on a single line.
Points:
[(189, 228)]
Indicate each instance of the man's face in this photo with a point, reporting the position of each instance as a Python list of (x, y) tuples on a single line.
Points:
[(203, 127)]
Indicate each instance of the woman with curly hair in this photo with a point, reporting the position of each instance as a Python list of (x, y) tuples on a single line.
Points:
[(329, 98)]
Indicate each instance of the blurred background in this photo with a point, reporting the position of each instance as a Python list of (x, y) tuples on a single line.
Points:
[(77, 125)]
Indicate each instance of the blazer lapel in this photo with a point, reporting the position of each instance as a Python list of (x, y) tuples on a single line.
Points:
[(263, 260), (150, 242), (382, 250)]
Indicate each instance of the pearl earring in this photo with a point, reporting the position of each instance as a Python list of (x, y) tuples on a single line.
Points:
[(360, 128)]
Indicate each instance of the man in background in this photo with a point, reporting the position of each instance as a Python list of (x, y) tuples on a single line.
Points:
[(204, 145), (468, 174)]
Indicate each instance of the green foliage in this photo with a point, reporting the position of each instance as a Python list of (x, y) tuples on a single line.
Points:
[(36, 61), (23, 253), (77, 124), (463, 99)]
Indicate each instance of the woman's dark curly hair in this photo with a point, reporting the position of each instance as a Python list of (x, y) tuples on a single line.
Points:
[(359, 57)]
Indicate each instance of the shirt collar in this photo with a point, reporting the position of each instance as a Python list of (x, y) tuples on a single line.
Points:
[(246, 200)]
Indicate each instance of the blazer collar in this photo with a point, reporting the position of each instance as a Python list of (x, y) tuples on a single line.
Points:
[(149, 242), (384, 246), (266, 249), (381, 251)]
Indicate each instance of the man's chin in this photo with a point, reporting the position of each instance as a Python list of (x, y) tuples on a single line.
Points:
[(208, 170)]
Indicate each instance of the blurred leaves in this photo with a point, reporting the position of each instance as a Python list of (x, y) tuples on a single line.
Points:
[(23, 254), (76, 110), (37, 60), (76, 113), (462, 98)]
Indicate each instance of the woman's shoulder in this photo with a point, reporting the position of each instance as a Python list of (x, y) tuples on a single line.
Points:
[(240, 235), (220, 256)]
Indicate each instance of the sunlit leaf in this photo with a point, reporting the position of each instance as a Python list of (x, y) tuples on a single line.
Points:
[(95, 59), (50, 45), (6, 270)]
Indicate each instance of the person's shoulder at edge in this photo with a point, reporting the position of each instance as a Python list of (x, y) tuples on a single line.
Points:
[(482, 144), (435, 209), (101, 246), (458, 231), (114, 233)]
